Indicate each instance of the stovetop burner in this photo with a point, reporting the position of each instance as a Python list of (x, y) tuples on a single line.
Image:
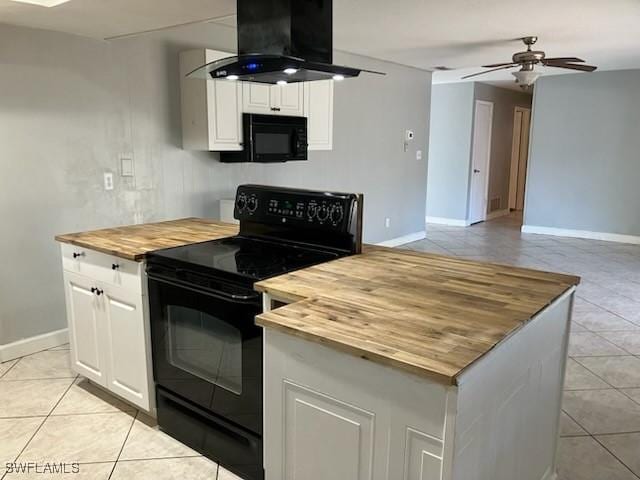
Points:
[(248, 257)]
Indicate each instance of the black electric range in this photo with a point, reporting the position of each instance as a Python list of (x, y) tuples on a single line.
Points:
[(207, 349)]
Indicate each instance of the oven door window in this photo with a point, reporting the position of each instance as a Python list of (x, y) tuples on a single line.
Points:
[(205, 346)]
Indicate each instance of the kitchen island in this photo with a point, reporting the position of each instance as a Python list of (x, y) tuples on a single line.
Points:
[(402, 365), (390, 364)]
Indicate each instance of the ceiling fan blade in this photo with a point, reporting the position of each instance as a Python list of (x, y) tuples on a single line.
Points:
[(493, 65), (572, 66), (510, 65), (563, 59)]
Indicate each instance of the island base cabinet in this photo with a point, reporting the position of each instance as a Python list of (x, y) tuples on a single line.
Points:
[(329, 415), (108, 325)]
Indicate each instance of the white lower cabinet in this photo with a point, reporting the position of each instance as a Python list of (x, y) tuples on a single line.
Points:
[(108, 324), (84, 319), (125, 338), (330, 416)]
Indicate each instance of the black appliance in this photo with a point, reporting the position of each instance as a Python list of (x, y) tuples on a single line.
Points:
[(282, 41), (270, 138), (207, 350)]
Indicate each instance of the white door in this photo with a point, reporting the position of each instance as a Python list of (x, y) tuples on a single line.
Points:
[(126, 345), (85, 330), (318, 108), (256, 98), (519, 157), (480, 156), (224, 106), (288, 99)]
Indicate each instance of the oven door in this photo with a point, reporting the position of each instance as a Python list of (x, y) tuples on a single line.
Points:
[(207, 348)]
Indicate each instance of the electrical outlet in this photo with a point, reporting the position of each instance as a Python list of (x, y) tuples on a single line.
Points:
[(387, 222), (108, 181), (419, 155)]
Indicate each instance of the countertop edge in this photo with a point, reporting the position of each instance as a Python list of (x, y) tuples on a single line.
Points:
[(449, 380), (263, 321)]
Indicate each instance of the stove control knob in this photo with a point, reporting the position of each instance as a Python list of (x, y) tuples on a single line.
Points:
[(323, 213), (252, 204), (312, 210), (241, 202), (336, 213)]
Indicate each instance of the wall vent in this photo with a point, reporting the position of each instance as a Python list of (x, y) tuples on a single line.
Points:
[(495, 204)]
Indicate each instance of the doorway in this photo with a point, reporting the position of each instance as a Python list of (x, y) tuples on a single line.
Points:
[(519, 157), (480, 159)]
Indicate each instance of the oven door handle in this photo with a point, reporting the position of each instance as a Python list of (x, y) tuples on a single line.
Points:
[(230, 297)]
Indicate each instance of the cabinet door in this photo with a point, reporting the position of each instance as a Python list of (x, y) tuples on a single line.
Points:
[(224, 104), (256, 98), (85, 329), (318, 108), (127, 343), (325, 437), (288, 99)]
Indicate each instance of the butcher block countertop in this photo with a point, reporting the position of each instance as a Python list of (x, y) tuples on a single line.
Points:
[(134, 241), (427, 314)]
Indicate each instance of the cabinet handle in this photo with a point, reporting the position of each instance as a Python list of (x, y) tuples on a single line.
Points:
[(76, 254), (93, 289), (275, 109), (97, 291), (115, 266)]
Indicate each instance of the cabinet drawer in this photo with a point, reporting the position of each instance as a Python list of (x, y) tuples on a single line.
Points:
[(101, 267)]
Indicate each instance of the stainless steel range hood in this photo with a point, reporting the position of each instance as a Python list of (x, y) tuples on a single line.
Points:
[(281, 41)]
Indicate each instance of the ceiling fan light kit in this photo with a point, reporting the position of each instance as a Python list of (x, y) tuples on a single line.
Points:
[(528, 59), (526, 78)]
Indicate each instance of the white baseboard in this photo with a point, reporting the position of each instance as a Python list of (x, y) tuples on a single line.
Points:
[(562, 232), (454, 222), (27, 346), (498, 213), (396, 242)]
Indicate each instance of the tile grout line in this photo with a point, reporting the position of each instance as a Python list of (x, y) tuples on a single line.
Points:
[(42, 423), (11, 367), (615, 456), (115, 464)]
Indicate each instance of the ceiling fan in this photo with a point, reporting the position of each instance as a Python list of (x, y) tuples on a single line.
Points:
[(528, 59)]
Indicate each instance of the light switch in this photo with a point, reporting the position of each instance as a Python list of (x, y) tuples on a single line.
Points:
[(126, 166)]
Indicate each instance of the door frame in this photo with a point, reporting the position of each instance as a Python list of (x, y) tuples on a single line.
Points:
[(488, 165), (515, 155)]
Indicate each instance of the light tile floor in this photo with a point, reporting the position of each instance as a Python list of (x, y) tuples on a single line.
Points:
[(600, 425), (49, 414)]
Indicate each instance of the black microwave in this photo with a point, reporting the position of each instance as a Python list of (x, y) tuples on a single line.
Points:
[(270, 138)]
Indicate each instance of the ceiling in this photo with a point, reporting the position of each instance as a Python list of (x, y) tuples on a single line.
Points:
[(421, 33)]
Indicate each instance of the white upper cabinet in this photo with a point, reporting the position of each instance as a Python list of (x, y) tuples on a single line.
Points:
[(211, 110), (318, 108), (273, 99)]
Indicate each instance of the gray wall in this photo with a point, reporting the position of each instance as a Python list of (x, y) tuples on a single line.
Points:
[(504, 103), (70, 106), (584, 165), (450, 150)]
